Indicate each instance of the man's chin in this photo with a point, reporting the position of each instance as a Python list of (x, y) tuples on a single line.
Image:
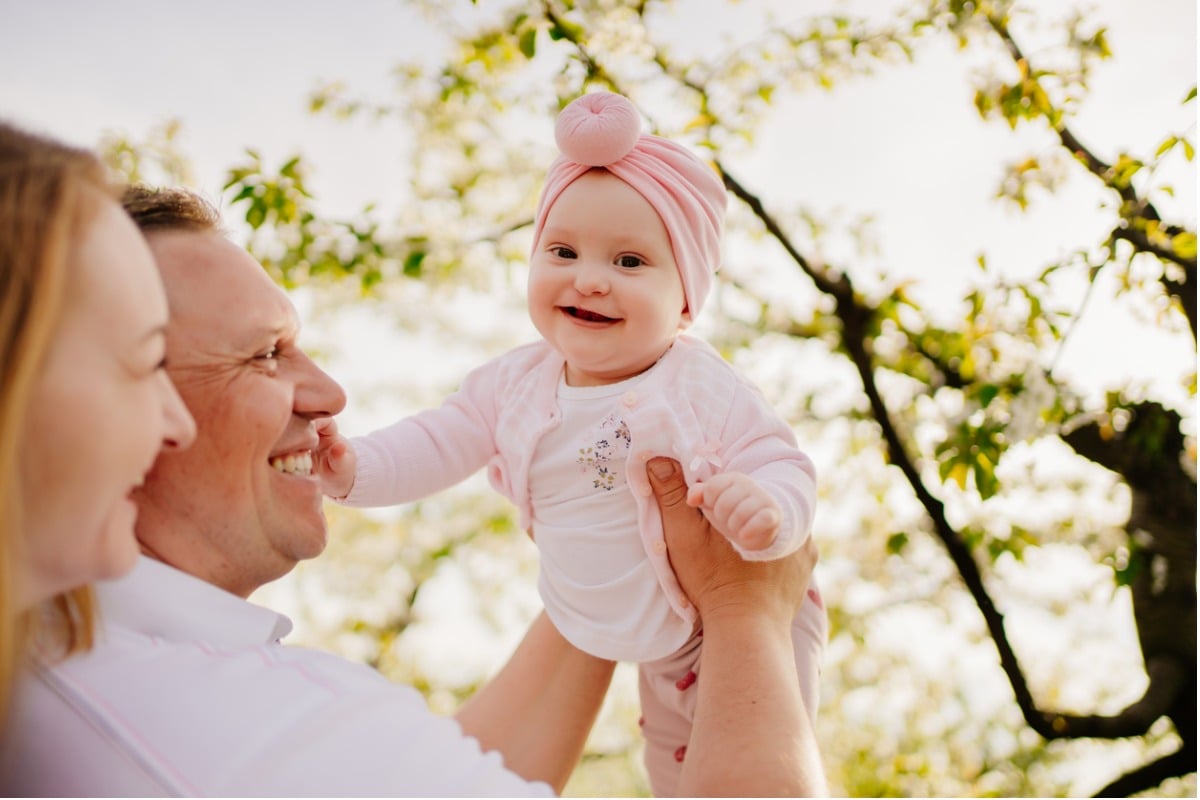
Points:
[(309, 540)]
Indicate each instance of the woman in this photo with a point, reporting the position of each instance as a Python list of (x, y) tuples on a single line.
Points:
[(85, 402)]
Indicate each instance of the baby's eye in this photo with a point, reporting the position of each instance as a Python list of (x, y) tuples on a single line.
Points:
[(629, 261), (563, 252)]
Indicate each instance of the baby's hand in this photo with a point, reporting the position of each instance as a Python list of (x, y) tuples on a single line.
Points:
[(738, 507), (334, 462)]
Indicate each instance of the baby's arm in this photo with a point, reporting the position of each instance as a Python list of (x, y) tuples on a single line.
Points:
[(417, 455), (739, 507), (759, 447)]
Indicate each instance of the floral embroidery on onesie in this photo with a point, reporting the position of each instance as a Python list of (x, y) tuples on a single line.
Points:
[(602, 450)]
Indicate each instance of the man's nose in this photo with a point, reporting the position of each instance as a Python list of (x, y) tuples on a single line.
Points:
[(179, 428), (317, 394)]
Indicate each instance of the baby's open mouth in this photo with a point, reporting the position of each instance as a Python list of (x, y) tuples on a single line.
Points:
[(587, 316)]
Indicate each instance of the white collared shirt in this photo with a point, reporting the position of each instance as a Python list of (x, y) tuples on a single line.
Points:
[(189, 692)]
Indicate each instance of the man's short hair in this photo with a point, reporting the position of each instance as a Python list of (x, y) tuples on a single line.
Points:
[(170, 209)]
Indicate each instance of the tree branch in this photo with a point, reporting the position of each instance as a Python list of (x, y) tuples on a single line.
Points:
[(1094, 164), (1167, 680), (594, 69), (1138, 206), (1150, 775), (1145, 453), (1165, 673), (1177, 289), (837, 287), (855, 317)]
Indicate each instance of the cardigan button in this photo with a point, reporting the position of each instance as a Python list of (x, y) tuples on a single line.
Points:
[(660, 547), (629, 399)]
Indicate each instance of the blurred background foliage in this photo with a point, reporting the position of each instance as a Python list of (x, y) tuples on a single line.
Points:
[(1009, 557)]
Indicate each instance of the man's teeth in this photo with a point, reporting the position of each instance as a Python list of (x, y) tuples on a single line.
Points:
[(296, 464)]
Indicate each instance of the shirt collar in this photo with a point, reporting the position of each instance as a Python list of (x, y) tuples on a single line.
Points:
[(158, 600)]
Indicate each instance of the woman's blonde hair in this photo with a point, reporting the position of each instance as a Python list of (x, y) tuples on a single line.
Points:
[(48, 193)]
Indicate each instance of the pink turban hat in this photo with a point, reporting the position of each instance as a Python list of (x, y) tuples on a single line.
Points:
[(603, 130)]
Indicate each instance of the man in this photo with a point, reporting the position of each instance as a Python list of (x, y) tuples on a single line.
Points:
[(189, 691)]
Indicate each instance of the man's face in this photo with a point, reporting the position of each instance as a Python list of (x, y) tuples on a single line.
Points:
[(239, 508)]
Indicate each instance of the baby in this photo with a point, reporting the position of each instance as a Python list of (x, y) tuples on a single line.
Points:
[(626, 241)]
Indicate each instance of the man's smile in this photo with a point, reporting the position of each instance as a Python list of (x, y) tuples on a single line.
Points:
[(298, 463)]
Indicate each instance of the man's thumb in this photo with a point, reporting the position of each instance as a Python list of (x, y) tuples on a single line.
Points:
[(666, 481)]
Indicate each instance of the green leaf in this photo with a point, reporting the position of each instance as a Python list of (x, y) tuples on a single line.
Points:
[(984, 472), (370, 278), (1127, 564), (1124, 170), (412, 263), (987, 393), (528, 42), (958, 473), (564, 29), (289, 168), (1184, 244), (246, 193)]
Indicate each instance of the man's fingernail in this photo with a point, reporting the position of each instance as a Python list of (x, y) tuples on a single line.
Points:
[(661, 468)]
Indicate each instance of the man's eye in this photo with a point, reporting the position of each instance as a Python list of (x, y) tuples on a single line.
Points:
[(269, 355), (629, 261)]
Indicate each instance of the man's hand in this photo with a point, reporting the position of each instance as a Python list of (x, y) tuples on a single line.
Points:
[(739, 507), (334, 462), (752, 735), (709, 570)]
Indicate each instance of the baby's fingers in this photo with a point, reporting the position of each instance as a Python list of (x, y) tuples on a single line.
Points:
[(759, 530), (326, 428), (335, 464)]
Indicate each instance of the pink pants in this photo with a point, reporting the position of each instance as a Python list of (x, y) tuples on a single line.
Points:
[(668, 692)]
